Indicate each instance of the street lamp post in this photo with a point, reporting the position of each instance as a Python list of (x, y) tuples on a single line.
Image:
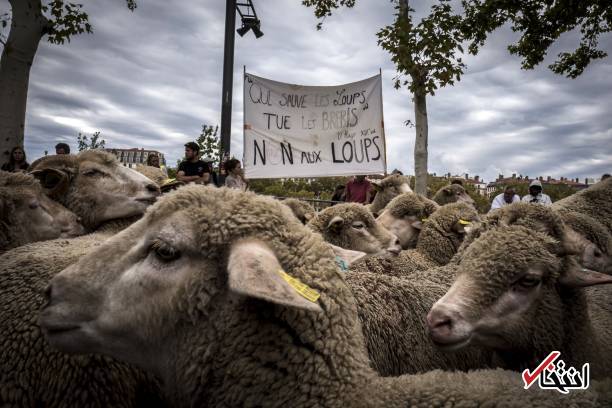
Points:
[(249, 22)]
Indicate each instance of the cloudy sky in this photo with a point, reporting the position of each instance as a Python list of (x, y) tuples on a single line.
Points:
[(151, 78)]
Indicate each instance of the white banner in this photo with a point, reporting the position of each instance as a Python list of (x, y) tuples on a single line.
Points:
[(312, 131)]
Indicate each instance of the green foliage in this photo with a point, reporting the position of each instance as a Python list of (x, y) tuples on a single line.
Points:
[(210, 144), (171, 172), (84, 143), (66, 19), (424, 54), (541, 23), (298, 187)]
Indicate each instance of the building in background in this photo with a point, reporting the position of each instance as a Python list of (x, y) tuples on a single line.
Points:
[(135, 156)]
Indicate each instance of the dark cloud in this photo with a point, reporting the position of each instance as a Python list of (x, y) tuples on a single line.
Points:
[(151, 78)]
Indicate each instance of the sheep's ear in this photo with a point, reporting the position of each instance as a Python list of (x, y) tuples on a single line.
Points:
[(578, 277), (55, 182), (462, 227), (417, 224), (254, 271), (376, 184), (308, 216), (447, 190), (335, 224), (347, 255), (404, 188)]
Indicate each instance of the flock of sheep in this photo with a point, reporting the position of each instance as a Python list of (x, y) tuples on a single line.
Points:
[(112, 295)]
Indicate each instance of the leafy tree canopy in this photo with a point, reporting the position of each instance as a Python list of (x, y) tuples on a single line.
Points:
[(541, 23), (84, 143)]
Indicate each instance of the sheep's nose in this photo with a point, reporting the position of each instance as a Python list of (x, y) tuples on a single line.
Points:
[(440, 325), (396, 247)]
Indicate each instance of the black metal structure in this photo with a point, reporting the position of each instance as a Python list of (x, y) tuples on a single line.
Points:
[(249, 22)]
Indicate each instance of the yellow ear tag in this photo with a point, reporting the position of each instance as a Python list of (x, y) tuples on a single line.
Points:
[(423, 219), (464, 222), (304, 290)]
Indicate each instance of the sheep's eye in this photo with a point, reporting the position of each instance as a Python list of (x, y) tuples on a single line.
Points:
[(165, 252), (358, 225), (529, 281), (34, 205), (93, 172), (597, 253)]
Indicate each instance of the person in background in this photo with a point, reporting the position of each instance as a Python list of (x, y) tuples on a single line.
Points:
[(396, 171), (234, 176), (338, 194), (62, 148), (192, 169), (17, 162), (509, 196), (535, 194), (211, 170), (457, 181), (358, 190), (605, 176), (153, 161)]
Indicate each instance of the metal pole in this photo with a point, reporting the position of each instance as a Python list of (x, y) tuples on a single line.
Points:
[(228, 75)]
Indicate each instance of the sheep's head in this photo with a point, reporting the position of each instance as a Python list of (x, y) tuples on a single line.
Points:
[(301, 209), (352, 226), (452, 193), (387, 189), (28, 215), (95, 186), (508, 292), (404, 216), (591, 240), (198, 254)]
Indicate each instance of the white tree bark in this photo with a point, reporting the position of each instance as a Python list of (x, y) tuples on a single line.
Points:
[(27, 28), (420, 143)]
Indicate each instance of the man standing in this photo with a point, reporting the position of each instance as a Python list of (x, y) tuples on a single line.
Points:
[(192, 169), (535, 194), (509, 196), (62, 148), (358, 190)]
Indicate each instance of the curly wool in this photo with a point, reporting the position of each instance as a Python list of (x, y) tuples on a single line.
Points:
[(411, 204), (152, 173), (388, 189), (350, 213), (237, 351), (301, 209), (437, 244), (535, 217), (33, 374), (588, 228), (443, 198), (595, 201)]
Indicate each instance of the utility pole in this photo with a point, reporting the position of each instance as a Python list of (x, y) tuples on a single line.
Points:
[(228, 76)]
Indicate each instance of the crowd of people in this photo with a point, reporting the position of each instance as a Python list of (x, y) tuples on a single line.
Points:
[(199, 170)]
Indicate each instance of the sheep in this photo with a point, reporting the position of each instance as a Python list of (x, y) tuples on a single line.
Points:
[(451, 194), (523, 299), (232, 302), (352, 226), (28, 215), (593, 241), (159, 177), (301, 209), (595, 201), (94, 186), (31, 374), (438, 242), (403, 216), (387, 189)]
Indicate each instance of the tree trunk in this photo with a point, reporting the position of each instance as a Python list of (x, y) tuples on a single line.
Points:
[(420, 143), (27, 28)]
